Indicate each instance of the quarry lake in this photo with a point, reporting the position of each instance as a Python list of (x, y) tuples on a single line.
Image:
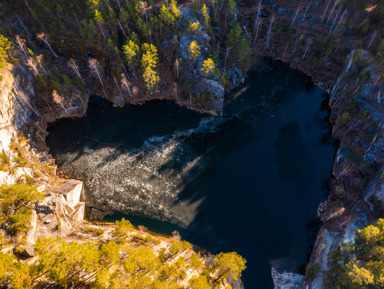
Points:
[(249, 181)]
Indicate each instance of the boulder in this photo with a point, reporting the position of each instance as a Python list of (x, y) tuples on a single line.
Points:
[(71, 190), (25, 251)]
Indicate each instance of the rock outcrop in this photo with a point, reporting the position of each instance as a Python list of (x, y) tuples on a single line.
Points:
[(357, 117), (16, 92), (62, 209)]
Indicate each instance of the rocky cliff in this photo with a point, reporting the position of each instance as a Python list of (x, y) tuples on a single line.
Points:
[(16, 93), (311, 36), (356, 196)]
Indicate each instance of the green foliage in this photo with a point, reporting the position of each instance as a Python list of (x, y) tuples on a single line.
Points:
[(98, 17), (361, 264), (234, 35), (149, 62), (173, 8), (208, 67), (141, 258), (311, 270), (195, 5), (179, 246), (229, 264), (196, 262), (344, 119), (16, 201), (123, 228), (194, 27), (5, 46), (166, 16), (243, 52), (4, 162), (131, 50), (205, 14), (6, 267), (199, 282), (231, 6), (194, 50)]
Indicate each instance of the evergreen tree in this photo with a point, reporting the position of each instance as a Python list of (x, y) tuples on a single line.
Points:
[(194, 50), (206, 17), (208, 67), (229, 264), (149, 62), (166, 16), (243, 52), (194, 27), (131, 50), (5, 46), (173, 7), (123, 228)]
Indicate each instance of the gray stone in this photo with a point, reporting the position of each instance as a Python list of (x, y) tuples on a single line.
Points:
[(17, 90), (25, 251), (96, 214), (71, 190)]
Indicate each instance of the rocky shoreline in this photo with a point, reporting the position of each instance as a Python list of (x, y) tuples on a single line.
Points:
[(356, 115)]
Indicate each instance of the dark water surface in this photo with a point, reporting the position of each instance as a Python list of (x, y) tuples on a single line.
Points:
[(248, 182)]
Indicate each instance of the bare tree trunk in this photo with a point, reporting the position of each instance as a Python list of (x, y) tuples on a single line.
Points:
[(285, 50), (341, 19), (325, 12), (333, 8), (373, 38), (257, 24), (269, 32), (22, 24), (121, 27), (334, 21), (29, 8), (114, 78), (118, 3), (101, 28), (226, 55), (306, 10), (309, 42), (294, 17)]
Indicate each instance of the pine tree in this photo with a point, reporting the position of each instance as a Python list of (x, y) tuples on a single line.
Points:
[(208, 67), (194, 50), (131, 50), (166, 16), (205, 13), (243, 52), (173, 7), (194, 27), (199, 282), (123, 228), (149, 62), (5, 46), (229, 264)]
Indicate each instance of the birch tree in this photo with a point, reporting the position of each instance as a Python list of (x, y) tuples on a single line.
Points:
[(75, 67), (59, 100), (94, 67), (21, 42), (43, 37)]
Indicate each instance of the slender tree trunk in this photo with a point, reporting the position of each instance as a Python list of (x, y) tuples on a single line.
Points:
[(122, 29), (49, 46), (333, 8), (325, 12), (22, 24), (101, 28)]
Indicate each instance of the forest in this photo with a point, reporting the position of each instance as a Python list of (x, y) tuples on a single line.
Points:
[(124, 50)]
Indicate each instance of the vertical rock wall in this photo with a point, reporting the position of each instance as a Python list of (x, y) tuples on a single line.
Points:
[(16, 92)]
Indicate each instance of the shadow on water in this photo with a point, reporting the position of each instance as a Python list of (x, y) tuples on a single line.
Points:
[(253, 178)]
